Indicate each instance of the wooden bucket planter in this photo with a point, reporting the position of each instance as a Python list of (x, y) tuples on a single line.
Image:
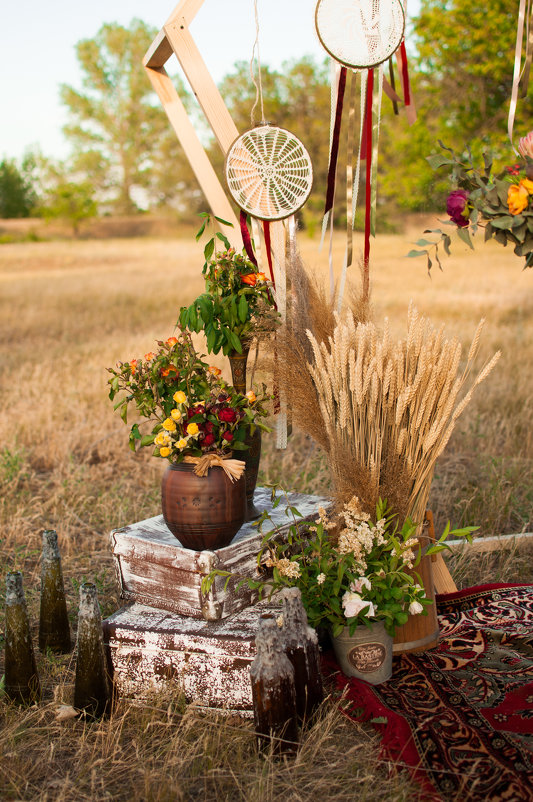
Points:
[(421, 632)]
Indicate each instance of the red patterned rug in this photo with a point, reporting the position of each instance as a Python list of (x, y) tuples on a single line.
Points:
[(460, 716)]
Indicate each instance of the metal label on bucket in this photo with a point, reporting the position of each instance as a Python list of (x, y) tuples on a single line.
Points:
[(367, 657)]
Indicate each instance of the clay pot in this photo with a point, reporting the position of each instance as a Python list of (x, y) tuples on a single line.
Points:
[(202, 512)]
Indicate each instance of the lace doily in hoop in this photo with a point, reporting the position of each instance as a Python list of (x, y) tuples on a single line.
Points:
[(360, 33), (269, 172)]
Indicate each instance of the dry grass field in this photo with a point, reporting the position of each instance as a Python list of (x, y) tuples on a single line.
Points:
[(70, 309)]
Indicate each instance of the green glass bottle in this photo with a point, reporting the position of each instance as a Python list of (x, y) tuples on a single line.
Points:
[(21, 677), (54, 628), (92, 687)]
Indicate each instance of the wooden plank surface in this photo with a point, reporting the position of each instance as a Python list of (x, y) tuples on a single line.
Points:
[(153, 651), (153, 567)]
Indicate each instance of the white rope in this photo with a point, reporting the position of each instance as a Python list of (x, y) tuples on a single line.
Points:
[(258, 85)]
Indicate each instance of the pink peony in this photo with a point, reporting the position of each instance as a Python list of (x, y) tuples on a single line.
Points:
[(525, 145), (456, 206)]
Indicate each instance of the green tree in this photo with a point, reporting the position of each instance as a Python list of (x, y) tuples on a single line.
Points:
[(17, 193), (70, 201), (118, 127)]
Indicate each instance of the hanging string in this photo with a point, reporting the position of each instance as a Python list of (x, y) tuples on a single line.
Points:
[(258, 84), (350, 156)]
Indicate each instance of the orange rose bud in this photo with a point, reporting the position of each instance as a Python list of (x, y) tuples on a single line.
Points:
[(249, 278), (517, 198), (133, 366), (149, 356), (171, 341)]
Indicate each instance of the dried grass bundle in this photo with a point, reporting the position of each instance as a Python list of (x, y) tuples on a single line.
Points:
[(387, 409), (310, 308)]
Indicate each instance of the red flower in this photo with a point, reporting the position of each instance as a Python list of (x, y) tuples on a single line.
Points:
[(228, 415), (227, 436), (457, 207), (208, 426), (209, 439)]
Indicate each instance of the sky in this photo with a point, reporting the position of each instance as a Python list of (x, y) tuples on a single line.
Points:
[(38, 38)]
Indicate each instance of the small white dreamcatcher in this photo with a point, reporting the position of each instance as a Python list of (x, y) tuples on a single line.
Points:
[(269, 172)]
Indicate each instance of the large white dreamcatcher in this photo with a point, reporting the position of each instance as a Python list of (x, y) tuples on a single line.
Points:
[(360, 36)]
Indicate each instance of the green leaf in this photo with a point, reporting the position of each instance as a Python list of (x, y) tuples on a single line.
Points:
[(201, 230), (438, 161), (243, 309), (224, 222), (147, 440), (464, 234), (416, 253), (209, 248), (506, 221)]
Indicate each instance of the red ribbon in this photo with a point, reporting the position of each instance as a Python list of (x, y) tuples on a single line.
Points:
[(268, 247), (405, 76), (246, 238), (335, 142), (367, 142)]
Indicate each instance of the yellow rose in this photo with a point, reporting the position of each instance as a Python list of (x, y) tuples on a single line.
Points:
[(162, 439), (528, 184), (164, 451), (192, 429), (169, 425), (251, 396), (182, 443), (518, 197), (176, 414), (179, 397)]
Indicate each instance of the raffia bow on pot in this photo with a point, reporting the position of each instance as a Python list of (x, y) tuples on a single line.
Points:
[(233, 468)]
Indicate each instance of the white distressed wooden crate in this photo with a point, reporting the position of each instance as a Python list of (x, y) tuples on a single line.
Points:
[(157, 651), (154, 569)]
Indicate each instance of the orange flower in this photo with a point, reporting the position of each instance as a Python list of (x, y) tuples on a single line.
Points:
[(167, 371), (261, 278), (171, 341), (133, 366), (251, 396), (149, 356), (249, 278), (214, 371), (518, 196)]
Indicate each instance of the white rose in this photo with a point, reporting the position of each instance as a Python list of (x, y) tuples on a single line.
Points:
[(415, 608), (361, 583), (353, 604)]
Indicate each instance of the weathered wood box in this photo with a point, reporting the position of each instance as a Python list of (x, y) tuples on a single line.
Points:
[(157, 651), (154, 569)]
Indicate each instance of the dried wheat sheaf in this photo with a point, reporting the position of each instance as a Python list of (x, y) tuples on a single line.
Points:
[(388, 407)]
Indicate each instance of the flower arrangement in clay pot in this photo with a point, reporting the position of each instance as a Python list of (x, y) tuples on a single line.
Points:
[(499, 202), (236, 309), (238, 304), (197, 423)]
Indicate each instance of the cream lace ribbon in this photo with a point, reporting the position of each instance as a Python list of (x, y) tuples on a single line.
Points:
[(233, 468)]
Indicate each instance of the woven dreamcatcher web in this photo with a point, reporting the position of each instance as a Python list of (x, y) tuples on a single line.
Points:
[(360, 33), (269, 172)]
